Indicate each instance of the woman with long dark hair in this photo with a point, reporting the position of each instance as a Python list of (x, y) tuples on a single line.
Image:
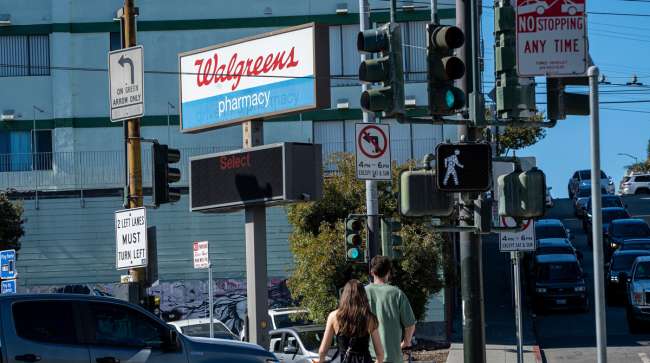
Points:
[(354, 325)]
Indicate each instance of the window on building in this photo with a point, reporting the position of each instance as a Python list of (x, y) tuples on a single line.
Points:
[(16, 150), (24, 55), (414, 42), (115, 41)]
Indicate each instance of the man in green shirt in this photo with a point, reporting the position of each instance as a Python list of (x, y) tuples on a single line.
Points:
[(393, 310)]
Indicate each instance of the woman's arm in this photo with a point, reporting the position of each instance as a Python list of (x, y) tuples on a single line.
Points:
[(376, 342), (327, 337)]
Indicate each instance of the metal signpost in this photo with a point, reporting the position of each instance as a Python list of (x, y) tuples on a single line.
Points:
[(131, 238), (202, 261), (373, 159), (551, 38), (126, 86), (517, 243)]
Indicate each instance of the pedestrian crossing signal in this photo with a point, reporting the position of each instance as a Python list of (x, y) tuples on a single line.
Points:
[(465, 167)]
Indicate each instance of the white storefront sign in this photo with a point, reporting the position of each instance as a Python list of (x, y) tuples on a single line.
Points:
[(131, 238), (551, 38)]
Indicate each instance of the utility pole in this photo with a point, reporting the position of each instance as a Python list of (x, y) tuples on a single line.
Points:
[(372, 200), (133, 152), (467, 19)]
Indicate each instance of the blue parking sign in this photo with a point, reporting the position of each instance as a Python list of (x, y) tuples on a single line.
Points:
[(8, 287), (8, 264)]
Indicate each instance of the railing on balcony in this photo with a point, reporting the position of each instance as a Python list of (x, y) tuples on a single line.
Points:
[(64, 171)]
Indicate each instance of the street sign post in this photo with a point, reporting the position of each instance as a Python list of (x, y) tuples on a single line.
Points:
[(8, 287), (373, 160), (464, 167), (131, 238), (8, 264), (126, 83), (551, 38), (202, 261)]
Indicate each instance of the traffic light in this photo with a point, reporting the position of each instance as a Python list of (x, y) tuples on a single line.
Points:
[(514, 95), (522, 194), (443, 68), (354, 241), (391, 239), (386, 69), (163, 175), (560, 103), (419, 195)]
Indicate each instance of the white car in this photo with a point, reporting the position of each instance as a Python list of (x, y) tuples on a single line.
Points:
[(635, 184), (532, 6), (283, 318), (201, 328), (638, 294)]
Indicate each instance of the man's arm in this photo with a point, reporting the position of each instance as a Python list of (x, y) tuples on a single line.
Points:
[(408, 336)]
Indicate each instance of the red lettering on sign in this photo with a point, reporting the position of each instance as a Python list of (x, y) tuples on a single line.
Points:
[(235, 161)]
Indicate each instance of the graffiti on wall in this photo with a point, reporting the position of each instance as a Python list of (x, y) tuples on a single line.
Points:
[(188, 299)]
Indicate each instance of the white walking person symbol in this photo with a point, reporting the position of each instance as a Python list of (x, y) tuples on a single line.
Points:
[(451, 162)]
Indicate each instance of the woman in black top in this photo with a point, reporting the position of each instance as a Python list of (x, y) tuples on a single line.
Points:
[(354, 325)]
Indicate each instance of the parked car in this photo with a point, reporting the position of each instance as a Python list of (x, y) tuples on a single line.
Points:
[(82, 328), (558, 283), (551, 228), (282, 318), (636, 244), (582, 178), (299, 344), (609, 214), (580, 207), (638, 300), (635, 184), (201, 328), (621, 230), (618, 269)]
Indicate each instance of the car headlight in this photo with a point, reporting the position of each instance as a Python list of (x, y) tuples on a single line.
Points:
[(613, 245), (580, 288), (541, 290), (613, 278)]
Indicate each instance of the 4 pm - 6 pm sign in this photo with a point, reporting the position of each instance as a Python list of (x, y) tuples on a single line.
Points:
[(263, 76)]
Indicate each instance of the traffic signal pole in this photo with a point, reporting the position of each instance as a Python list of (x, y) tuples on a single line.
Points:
[(471, 272), (372, 200), (133, 151)]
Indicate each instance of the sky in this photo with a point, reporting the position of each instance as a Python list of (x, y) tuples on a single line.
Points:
[(620, 47)]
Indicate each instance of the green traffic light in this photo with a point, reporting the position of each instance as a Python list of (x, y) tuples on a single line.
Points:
[(353, 253), (450, 99)]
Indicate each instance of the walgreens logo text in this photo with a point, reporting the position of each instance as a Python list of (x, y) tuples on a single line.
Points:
[(208, 70)]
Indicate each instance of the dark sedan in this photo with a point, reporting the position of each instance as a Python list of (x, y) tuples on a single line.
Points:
[(635, 244), (558, 283), (609, 214), (618, 269), (621, 230)]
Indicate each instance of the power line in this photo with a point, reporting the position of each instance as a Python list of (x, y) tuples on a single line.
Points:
[(625, 110), (616, 14)]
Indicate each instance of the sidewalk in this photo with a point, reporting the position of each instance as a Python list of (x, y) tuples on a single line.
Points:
[(497, 353)]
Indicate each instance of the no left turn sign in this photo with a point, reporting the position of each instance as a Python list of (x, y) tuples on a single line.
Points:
[(373, 159)]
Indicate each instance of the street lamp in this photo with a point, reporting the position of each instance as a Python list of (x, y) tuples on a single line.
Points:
[(636, 160), (169, 106)]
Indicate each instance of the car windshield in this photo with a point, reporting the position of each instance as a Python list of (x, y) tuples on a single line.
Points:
[(542, 232), (612, 202), (586, 174), (311, 340), (624, 262), (611, 215), (625, 179), (558, 271), (202, 330), (292, 319), (642, 271), (632, 230), (584, 192), (554, 250)]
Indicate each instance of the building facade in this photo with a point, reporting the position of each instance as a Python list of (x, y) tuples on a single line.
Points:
[(61, 154)]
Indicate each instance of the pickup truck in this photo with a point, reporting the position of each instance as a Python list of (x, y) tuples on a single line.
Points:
[(68, 328)]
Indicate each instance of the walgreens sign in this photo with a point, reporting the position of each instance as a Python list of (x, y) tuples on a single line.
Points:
[(268, 75)]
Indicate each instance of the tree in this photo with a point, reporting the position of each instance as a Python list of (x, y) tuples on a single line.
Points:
[(11, 224), (316, 242), (515, 138)]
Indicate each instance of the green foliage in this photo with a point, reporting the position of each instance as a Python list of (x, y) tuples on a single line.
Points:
[(317, 245), (640, 167), (11, 224), (516, 138)]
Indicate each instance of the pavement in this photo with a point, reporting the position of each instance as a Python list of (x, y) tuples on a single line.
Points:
[(497, 353)]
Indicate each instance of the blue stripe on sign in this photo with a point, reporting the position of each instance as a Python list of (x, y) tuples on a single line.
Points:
[(249, 103)]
